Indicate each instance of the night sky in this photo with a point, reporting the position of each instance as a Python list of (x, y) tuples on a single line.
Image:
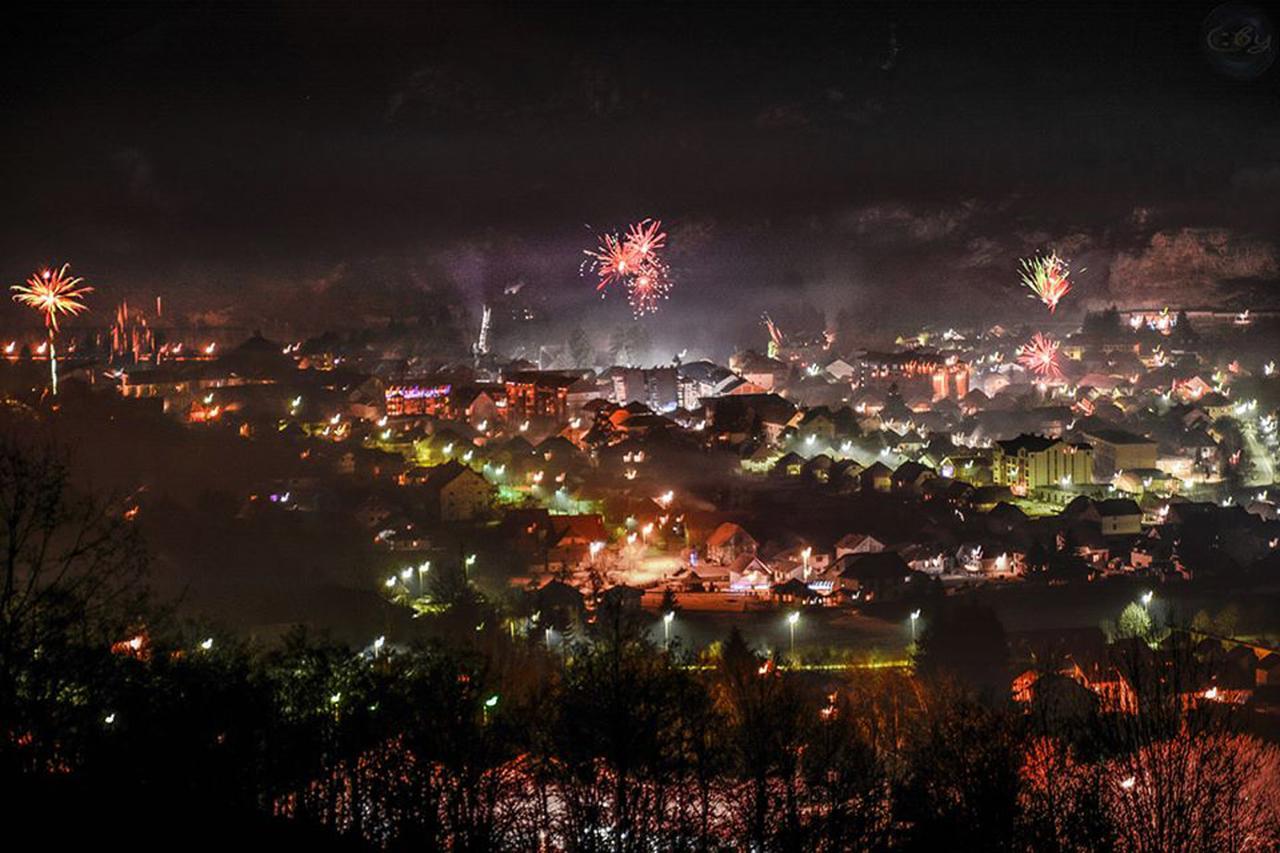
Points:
[(252, 162)]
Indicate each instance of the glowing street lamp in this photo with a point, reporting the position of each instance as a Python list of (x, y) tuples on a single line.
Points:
[(666, 628), (915, 614), (467, 564), (1146, 598), (423, 568), (489, 705), (206, 644), (792, 618), (378, 643)]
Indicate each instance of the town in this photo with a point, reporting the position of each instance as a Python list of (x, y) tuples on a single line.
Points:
[(640, 427), (808, 473)]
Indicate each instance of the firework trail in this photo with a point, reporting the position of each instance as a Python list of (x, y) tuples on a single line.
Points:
[(1040, 356), (1049, 279), (53, 292)]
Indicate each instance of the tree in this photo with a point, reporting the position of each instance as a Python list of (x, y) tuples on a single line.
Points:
[(1102, 324), (961, 784), (670, 603), (965, 642), (580, 349), (71, 585), (1134, 623)]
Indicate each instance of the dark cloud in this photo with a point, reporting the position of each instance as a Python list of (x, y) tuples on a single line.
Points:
[(233, 157)]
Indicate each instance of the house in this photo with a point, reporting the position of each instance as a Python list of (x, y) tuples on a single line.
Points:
[(790, 465), (728, 542), (742, 416), (928, 559), (573, 536), (560, 601), (622, 597), (794, 591), (877, 477), (840, 370), (818, 469), (846, 475), (911, 477), (1267, 671), (455, 492), (879, 576), (748, 573), (1119, 517), (858, 543)]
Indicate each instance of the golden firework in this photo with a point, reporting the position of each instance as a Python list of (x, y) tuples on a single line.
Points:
[(53, 292)]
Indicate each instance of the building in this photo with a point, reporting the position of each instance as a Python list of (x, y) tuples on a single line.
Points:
[(1032, 461), (858, 543), (728, 542), (538, 394), (418, 399), (876, 576), (943, 377), (660, 388), (1116, 450), (1119, 516), (458, 493)]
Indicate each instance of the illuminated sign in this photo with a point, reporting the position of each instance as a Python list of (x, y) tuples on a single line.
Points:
[(418, 392)]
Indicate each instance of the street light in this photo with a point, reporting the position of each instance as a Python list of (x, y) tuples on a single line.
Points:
[(792, 618), (915, 614), (423, 568), (378, 643), (467, 564), (1146, 598), (489, 705), (666, 628)]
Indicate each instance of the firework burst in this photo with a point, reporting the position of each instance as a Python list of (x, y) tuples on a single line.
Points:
[(1040, 356), (648, 287), (645, 238), (53, 293), (1049, 279), (633, 261), (611, 261)]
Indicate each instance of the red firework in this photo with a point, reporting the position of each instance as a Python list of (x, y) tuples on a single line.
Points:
[(634, 262), (611, 261), (644, 238), (1040, 356), (648, 287)]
